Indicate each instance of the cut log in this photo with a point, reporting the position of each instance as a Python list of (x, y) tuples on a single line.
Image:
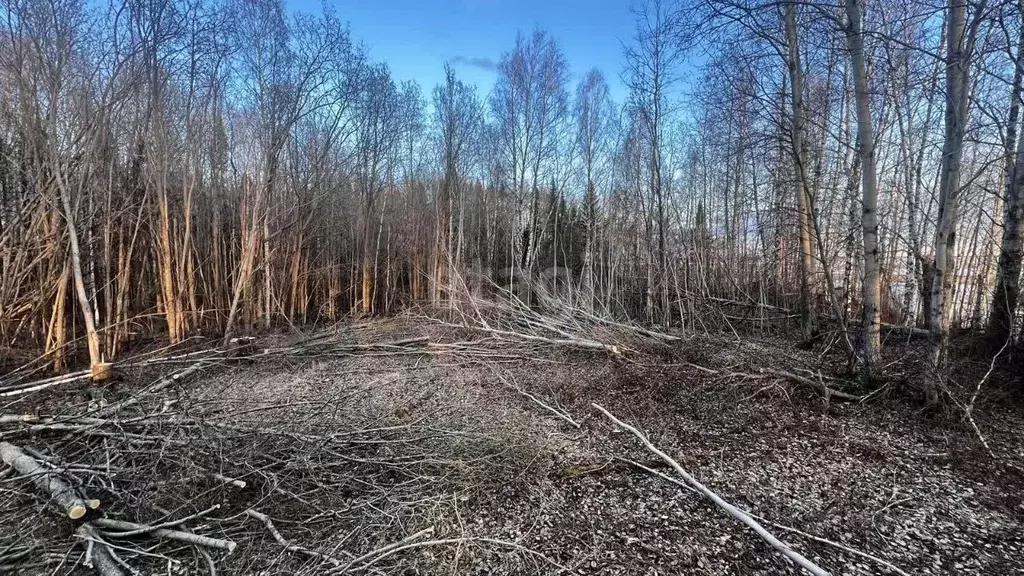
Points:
[(65, 496), (912, 331), (229, 481), (18, 418), (102, 371), (241, 347)]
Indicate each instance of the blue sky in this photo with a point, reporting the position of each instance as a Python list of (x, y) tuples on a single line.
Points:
[(417, 37)]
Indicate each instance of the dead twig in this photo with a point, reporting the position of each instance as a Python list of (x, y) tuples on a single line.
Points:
[(158, 386), (409, 543), (133, 529), (285, 543), (969, 409), (819, 386), (889, 565), (144, 528), (733, 511), (559, 413), (18, 390), (97, 554), (384, 550)]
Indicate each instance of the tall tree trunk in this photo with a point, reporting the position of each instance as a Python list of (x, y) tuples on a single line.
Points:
[(1007, 290), (871, 293), (808, 320), (56, 335), (250, 238), (589, 252), (959, 49), (84, 301)]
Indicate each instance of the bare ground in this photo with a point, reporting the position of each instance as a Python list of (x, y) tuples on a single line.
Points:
[(350, 453)]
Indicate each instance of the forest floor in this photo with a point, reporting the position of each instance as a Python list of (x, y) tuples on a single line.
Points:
[(406, 447)]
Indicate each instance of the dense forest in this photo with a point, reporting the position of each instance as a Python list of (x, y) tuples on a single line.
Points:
[(187, 167)]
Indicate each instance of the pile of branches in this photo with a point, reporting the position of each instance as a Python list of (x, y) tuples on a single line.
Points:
[(554, 319), (549, 318), (164, 480)]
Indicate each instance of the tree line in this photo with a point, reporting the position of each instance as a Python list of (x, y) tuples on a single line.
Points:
[(210, 166)]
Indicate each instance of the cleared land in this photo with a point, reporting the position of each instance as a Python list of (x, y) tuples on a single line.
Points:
[(407, 447)]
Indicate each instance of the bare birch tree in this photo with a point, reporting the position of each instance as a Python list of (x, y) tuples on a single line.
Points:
[(870, 303), (960, 47)]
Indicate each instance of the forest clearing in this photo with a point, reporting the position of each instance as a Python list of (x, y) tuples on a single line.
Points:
[(672, 287), (407, 446)]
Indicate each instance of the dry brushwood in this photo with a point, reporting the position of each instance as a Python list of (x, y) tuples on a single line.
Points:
[(159, 386), (818, 386), (65, 496), (97, 554), (338, 484), (132, 529), (413, 541), (382, 551), (280, 539)]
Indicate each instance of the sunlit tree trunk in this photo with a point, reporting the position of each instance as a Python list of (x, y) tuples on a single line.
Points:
[(959, 50), (75, 253), (808, 317), (870, 339)]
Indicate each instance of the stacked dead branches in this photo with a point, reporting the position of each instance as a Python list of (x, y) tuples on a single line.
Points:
[(548, 319), (197, 486)]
